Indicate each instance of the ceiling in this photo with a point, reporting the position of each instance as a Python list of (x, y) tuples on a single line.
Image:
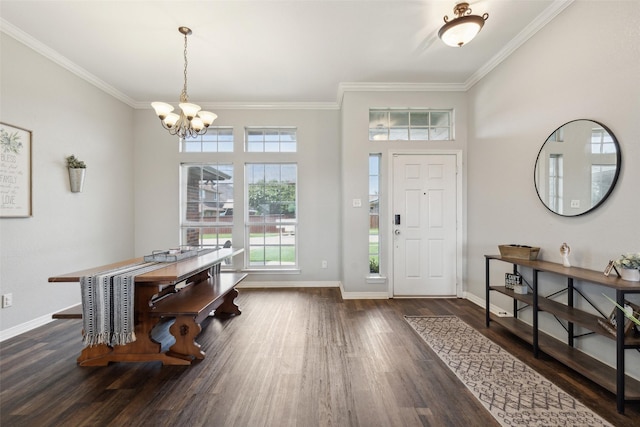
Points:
[(260, 52)]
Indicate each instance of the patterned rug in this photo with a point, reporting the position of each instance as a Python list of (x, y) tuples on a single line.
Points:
[(514, 394)]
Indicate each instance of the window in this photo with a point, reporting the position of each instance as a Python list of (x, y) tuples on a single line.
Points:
[(374, 211), (216, 140), (410, 125), (602, 142), (601, 181), (207, 204), (270, 140), (555, 182), (271, 221)]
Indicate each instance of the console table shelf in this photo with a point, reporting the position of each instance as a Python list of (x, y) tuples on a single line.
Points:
[(570, 314), (596, 371), (612, 379)]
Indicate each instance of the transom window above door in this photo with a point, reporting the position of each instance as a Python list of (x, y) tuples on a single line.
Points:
[(410, 125)]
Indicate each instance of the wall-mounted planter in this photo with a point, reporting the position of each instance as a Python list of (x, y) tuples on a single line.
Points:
[(76, 179)]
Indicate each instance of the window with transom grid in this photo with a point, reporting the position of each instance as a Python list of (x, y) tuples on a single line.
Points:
[(216, 140), (270, 140), (410, 125)]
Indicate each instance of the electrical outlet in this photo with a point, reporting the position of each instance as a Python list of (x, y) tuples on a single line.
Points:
[(7, 300), (324, 263)]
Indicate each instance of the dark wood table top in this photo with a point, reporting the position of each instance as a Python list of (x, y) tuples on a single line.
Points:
[(172, 272)]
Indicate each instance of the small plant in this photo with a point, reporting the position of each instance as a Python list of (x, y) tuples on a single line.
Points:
[(373, 266), (629, 260), (10, 142), (75, 163), (627, 313)]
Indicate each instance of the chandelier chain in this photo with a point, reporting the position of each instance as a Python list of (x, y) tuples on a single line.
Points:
[(184, 97)]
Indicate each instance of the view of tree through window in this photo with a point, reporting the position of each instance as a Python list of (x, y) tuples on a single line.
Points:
[(271, 220)]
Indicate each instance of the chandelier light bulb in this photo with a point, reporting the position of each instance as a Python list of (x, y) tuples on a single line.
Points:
[(207, 117), (162, 109), (189, 110), (197, 124), (170, 120)]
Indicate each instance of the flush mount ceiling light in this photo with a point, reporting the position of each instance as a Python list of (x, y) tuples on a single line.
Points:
[(463, 28), (191, 121)]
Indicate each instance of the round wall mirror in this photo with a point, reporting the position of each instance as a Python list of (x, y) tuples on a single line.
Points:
[(577, 167)]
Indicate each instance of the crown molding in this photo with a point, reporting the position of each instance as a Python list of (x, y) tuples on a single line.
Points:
[(527, 32), (24, 38), (397, 87), (543, 19), (212, 106)]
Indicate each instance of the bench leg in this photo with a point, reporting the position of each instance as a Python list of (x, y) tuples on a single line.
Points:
[(185, 330), (228, 306)]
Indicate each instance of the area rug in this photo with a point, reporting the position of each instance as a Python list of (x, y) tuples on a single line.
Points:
[(514, 393)]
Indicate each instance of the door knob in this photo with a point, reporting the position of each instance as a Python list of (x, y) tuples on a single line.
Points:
[(397, 232)]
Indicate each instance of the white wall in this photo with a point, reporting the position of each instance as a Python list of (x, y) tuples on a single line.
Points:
[(157, 160), (356, 148), (584, 64), (68, 231)]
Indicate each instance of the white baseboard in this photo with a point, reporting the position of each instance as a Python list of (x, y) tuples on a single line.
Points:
[(363, 295), (319, 284), (498, 311), (246, 284), (25, 327)]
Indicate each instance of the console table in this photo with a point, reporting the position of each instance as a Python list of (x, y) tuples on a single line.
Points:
[(179, 294), (615, 380)]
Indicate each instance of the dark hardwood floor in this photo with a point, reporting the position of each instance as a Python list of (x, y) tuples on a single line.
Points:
[(295, 357)]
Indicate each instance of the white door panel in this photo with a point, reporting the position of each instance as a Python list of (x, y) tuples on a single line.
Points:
[(424, 195)]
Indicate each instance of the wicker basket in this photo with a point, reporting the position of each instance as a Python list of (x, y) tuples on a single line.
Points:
[(519, 251)]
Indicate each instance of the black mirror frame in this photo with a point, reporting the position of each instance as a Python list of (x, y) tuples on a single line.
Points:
[(613, 183)]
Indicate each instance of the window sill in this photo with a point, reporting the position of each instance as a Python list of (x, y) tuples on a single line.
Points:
[(376, 279)]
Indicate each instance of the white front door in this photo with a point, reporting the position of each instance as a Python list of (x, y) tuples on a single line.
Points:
[(424, 216)]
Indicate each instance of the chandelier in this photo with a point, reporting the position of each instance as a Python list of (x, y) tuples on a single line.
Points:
[(463, 28), (191, 121)]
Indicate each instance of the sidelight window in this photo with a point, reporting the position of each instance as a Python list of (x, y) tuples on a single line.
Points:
[(374, 213)]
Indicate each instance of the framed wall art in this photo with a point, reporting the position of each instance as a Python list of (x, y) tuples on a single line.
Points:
[(15, 172)]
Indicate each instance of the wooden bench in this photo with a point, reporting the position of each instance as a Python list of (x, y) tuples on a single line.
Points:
[(189, 306), (73, 312), (194, 303)]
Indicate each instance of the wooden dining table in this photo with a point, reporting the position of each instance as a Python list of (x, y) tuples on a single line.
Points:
[(167, 281)]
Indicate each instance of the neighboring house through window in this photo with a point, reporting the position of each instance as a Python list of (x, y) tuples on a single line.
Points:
[(207, 195)]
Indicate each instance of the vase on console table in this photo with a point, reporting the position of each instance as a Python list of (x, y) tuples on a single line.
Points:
[(628, 266), (630, 274)]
